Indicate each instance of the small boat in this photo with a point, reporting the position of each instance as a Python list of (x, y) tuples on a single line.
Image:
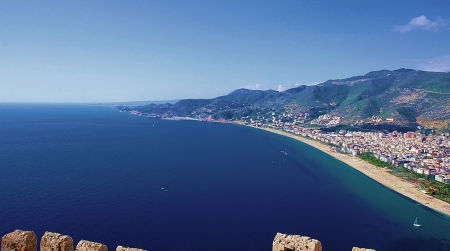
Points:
[(416, 224)]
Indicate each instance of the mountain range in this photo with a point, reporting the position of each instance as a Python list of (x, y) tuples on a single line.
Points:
[(403, 97)]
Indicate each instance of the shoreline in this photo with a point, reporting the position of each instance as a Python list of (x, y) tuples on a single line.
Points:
[(379, 175)]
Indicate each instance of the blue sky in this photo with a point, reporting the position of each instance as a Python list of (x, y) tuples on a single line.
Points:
[(100, 51)]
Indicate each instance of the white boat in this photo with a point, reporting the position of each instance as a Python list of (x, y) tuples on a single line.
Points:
[(416, 224)]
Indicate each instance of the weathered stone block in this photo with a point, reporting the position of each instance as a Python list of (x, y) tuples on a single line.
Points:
[(56, 242), (19, 240), (362, 249), (284, 242), (120, 248), (84, 245)]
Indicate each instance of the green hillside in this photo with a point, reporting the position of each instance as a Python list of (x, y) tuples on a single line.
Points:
[(403, 97)]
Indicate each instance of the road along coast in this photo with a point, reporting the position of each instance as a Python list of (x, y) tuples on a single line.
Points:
[(380, 175)]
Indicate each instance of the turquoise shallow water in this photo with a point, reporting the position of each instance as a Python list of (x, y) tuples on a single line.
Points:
[(96, 174)]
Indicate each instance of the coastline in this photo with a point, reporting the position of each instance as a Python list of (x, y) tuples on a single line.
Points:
[(380, 175)]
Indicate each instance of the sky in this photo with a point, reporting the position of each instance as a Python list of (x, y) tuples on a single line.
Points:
[(111, 51)]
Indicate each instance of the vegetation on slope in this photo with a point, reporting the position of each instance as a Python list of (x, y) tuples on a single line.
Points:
[(408, 97), (428, 184)]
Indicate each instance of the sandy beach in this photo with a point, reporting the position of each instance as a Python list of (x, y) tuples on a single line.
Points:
[(378, 174)]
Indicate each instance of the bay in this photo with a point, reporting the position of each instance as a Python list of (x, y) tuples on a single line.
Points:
[(94, 173)]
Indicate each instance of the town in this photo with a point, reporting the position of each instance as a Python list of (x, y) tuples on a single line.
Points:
[(423, 154)]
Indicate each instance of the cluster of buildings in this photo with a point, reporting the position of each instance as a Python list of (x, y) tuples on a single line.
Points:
[(326, 120), (424, 154), (374, 120)]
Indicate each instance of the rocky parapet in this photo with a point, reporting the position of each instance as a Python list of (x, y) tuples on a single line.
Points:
[(19, 240), (120, 248), (56, 242), (284, 242), (84, 245)]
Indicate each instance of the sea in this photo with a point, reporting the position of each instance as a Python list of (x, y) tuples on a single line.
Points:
[(94, 173)]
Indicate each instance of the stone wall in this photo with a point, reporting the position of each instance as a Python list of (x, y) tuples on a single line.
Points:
[(284, 242), (20, 240), (56, 242)]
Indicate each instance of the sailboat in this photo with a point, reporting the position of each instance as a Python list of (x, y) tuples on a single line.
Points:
[(416, 224)]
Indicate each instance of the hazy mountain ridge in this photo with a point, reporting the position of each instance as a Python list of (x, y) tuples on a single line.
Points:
[(408, 97)]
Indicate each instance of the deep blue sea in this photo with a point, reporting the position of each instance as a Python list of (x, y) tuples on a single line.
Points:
[(94, 173)]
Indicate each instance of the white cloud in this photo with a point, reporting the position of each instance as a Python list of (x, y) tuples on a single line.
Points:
[(279, 88), (282, 88), (314, 83), (422, 22), (254, 87), (437, 64)]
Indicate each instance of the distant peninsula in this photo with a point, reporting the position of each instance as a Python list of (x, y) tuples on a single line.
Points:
[(401, 100)]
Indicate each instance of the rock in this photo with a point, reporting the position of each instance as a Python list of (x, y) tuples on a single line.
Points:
[(284, 242), (362, 249), (19, 240), (84, 245), (120, 248), (56, 242)]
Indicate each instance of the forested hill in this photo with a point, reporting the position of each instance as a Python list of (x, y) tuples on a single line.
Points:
[(402, 97)]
